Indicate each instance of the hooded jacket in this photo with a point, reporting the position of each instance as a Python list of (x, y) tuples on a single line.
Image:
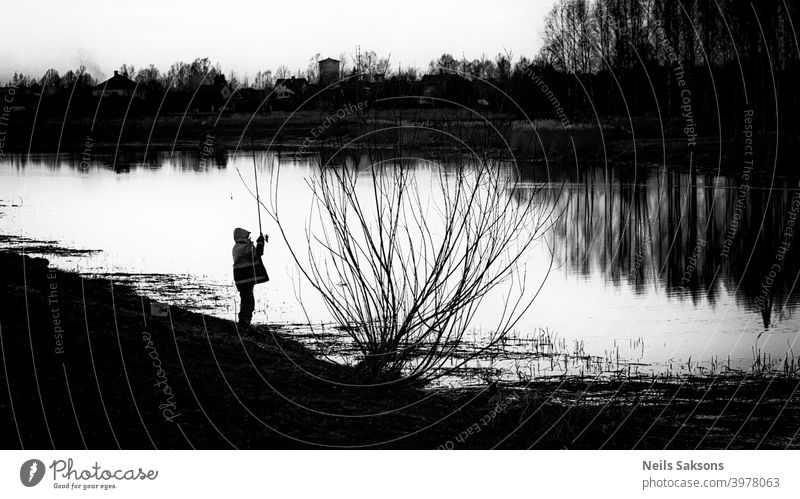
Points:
[(245, 256)]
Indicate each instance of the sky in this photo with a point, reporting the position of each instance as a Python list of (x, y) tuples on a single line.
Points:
[(250, 36)]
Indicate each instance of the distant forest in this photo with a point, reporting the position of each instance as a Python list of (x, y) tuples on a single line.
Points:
[(697, 64)]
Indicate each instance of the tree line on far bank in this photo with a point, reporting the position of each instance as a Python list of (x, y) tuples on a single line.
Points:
[(663, 60)]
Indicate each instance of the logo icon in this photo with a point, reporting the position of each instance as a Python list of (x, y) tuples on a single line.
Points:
[(31, 472)]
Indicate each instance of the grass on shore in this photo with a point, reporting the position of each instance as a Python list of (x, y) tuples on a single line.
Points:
[(98, 385)]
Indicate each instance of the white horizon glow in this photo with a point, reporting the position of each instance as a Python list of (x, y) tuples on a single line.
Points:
[(246, 37)]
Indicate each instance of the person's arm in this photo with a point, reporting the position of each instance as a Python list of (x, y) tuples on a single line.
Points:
[(260, 245)]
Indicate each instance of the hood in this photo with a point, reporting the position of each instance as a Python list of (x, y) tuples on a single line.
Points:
[(241, 236)]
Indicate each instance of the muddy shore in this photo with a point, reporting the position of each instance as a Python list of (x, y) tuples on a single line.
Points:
[(85, 365)]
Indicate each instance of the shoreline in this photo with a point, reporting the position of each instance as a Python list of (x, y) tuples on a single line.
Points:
[(98, 372), (281, 132)]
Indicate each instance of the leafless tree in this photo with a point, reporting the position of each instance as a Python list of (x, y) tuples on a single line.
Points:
[(405, 252), (263, 80), (312, 71)]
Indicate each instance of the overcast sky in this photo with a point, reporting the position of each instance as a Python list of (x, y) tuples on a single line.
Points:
[(248, 36)]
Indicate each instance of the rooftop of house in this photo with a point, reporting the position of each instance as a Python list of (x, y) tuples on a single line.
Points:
[(250, 94), (291, 81), (328, 59), (116, 82)]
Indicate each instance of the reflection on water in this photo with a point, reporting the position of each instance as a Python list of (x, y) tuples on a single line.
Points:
[(692, 236), (657, 270)]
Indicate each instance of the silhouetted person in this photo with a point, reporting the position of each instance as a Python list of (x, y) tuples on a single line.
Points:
[(247, 269)]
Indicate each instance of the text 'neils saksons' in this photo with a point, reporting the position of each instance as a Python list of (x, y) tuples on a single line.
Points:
[(664, 465)]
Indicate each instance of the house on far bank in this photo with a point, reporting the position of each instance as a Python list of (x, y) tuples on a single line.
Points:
[(286, 88), (328, 71), (210, 98), (288, 92), (248, 100), (117, 86), (442, 87)]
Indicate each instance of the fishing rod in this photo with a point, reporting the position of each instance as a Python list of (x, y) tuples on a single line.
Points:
[(258, 201)]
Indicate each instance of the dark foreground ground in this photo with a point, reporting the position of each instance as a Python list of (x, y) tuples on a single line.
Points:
[(81, 364)]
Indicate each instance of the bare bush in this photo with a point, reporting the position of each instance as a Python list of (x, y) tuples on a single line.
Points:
[(406, 251)]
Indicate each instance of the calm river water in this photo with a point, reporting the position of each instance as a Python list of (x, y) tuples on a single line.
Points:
[(655, 271)]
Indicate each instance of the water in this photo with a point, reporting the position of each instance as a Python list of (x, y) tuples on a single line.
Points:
[(654, 270)]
